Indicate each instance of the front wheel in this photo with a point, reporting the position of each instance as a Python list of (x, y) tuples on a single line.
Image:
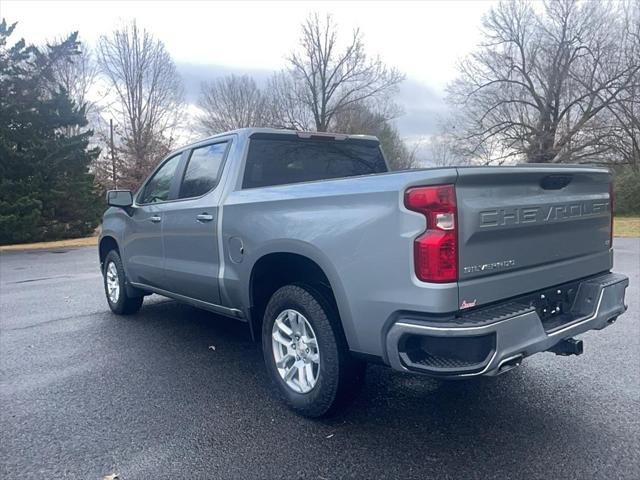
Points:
[(115, 287), (306, 353)]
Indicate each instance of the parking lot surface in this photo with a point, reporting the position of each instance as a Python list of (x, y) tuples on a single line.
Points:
[(175, 392)]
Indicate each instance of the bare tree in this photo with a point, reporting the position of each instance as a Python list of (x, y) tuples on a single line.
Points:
[(325, 80), (624, 115), (232, 102), (376, 119), (147, 97), (452, 147), (398, 154), (285, 105), (367, 116), (441, 152), (77, 76), (541, 82), (113, 167)]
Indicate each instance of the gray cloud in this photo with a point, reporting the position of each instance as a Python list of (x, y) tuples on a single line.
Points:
[(194, 74), (422, 105)]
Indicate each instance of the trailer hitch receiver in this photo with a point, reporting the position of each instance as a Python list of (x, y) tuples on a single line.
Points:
[(569, 346)]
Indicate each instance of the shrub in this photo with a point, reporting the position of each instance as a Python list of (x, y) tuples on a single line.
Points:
[(627, 191)]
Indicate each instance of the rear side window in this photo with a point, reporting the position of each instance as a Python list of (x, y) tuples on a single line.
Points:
[(158, 187), (280, 159), (202, 170)]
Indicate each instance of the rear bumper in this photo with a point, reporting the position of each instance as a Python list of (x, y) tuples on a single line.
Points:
[(492, 340)]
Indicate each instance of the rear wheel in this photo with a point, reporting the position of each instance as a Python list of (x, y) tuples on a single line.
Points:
[(306, 353), (115, 287)]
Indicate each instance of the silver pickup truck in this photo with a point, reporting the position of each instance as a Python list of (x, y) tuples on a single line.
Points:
[(333, 261)]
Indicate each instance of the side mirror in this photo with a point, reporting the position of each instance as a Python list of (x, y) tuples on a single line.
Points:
[(119, 198)]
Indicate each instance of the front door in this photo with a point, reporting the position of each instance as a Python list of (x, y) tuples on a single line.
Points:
[(190, 226), (143, 252)]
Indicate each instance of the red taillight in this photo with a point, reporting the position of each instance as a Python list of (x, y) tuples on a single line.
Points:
[(611, 198), (436, 250)]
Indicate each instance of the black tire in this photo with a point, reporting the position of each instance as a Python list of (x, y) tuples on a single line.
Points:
[(125, 304), (340, 376)]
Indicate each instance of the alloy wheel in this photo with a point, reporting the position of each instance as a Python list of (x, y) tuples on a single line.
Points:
[(113, 284), (295, 350)]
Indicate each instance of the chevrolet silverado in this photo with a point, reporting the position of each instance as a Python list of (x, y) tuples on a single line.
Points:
[(333, 261)]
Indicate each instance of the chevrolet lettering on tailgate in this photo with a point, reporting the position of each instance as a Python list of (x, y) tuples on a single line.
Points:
[(548, 213)]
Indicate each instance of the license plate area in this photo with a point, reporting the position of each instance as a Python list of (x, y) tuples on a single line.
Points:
[(555, 305)]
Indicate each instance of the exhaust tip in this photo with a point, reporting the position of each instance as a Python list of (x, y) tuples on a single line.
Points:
[(510, 363)]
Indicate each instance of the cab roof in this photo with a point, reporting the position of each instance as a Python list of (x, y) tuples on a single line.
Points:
[(246, 133)]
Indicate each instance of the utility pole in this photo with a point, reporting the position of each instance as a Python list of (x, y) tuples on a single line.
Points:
[(113, 156)]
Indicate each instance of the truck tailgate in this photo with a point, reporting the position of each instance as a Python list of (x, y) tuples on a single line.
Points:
[(529, 227)]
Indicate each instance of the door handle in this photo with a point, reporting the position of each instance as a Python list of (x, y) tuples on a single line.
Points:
[(204, 217), (156, 219)]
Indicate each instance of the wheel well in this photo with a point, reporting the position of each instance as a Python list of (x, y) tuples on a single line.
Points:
[(106, 245), (276, 270)]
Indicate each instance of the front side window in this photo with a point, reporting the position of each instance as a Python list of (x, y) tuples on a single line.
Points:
[(157, 188), (203, 170)]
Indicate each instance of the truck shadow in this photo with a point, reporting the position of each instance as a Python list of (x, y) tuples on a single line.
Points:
[(530, 415)]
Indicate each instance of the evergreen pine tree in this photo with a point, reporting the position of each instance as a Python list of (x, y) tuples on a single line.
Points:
[(46, 189)]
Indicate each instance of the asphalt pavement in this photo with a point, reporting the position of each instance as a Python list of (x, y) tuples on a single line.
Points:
[(174, 392)]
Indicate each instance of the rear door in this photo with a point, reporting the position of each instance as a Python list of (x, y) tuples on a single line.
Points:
[(143, 251), (530, 227), (190, 225)]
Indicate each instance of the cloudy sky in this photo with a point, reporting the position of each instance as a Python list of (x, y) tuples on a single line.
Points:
[(424, 40)]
